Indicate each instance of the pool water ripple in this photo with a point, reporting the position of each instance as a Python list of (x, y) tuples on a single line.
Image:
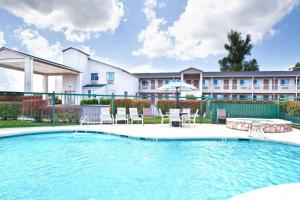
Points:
[(95, 166)]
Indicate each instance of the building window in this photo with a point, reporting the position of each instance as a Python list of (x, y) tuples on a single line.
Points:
[(243, 82), (125, 94), (167, 81), (94, 77), (256, 82), (110, 77), (242, 97), (166, 96), (89, 93), (216, 82), (145, 83), (284, 81), (205, 82)]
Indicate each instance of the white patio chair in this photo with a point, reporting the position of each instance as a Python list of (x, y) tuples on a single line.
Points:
[(186, 116), (174, 116), (121, 115), (195, 115), (162, 116), (134, 116), (105, 116)]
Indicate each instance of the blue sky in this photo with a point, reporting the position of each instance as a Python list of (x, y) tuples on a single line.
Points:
[(153, 35)]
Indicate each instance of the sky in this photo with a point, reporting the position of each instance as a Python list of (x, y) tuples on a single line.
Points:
[(149, 35)]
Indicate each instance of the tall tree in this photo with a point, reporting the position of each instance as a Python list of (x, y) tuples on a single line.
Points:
[(238, 48), (296, 67)]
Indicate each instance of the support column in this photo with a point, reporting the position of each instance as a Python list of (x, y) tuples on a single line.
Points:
[(201, 84), (28, 75), (45, 83)]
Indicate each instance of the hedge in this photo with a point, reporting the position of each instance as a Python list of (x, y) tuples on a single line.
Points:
[(18, 98), (165, 105), (105, 101), (89, 102), (290, 107), (130, 103), (10, 110), (63, 113), (34, 108)]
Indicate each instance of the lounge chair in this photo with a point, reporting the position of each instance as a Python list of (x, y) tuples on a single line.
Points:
[(148, 114), (121, 115), (162, 116), (175, 116), (105, 116), (134, 116), (221, 114)]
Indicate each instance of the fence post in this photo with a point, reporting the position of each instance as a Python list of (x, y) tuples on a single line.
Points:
[(53, 108), (113, 103)]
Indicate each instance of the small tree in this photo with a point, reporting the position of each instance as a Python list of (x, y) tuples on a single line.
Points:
[(238, 48), (296, 67)]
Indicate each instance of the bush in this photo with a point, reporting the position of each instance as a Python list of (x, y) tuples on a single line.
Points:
[(34, 108), (58, 100), (190, 97), (105, 101), (10, 110), (18, 98), (131, 103), (63, 113), (165, 105), (89, 102), (290, 107)]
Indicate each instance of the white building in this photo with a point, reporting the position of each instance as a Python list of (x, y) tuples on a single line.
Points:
[(78, 74)]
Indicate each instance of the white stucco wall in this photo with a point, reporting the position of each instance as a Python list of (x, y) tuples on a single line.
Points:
[(123, 80)]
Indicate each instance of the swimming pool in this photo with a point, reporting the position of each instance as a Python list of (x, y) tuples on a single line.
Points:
[(97, 166)]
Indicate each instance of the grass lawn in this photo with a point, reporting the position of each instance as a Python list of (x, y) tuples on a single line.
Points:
[(20, 123)]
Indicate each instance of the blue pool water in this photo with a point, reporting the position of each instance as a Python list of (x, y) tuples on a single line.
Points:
[(96, 166)]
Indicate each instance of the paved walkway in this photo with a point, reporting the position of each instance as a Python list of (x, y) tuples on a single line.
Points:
[(199, 131)]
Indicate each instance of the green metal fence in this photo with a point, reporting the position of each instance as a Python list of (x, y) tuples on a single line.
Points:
[(36, 109)]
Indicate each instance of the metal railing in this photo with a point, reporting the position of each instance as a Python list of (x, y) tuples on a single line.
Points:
[(35, 109)]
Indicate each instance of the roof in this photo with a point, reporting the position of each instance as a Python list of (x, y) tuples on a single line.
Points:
[(76, 50), (191, 68), (41, 59), (93, 85), (252, 74), (158, 75), (118, 68)]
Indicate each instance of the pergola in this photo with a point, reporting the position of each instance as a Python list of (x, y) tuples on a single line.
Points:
[(15, 60)]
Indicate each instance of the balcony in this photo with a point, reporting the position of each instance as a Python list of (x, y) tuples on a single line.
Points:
[(247, 88)]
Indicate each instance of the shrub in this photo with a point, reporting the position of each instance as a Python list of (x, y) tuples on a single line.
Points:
[(10, 110), (58, 100), (131, 103), (165, 105), (190, 97), (18, 98), (290, 107), (105, 101), (63, 113), (89, 102), (34, 108)]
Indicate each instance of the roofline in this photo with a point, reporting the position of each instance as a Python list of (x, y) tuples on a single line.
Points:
[(76, 50), (191, 68), (41, 59), (118, 68)]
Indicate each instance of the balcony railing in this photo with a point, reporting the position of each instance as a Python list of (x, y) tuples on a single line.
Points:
[(249, 88)]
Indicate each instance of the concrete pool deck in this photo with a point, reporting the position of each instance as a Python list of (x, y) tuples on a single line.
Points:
[(199, 131)]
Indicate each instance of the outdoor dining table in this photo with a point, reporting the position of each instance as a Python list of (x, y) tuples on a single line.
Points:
[(178, 124)]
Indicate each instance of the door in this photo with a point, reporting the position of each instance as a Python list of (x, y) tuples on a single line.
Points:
[(226, 84), (266, 84), (196, 83), (234, 84), (152, 84)]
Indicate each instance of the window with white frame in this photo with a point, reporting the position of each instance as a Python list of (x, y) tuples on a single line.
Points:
[(94, 77), (256, 82), (216, 82), (243, 82), (110, 77), (284, 81), (205, 82)]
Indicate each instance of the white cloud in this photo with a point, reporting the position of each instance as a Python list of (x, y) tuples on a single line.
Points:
[(77, 19), (2, 40), (143, 69), (39, 45), (201, 29)]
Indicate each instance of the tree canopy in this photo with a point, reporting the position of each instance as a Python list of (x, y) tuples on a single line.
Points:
[(296, 67), (238, 48)]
